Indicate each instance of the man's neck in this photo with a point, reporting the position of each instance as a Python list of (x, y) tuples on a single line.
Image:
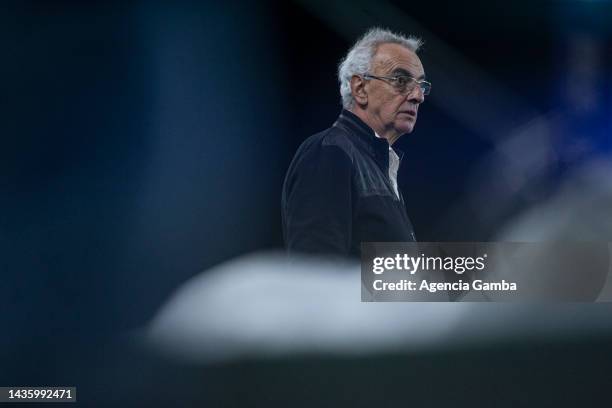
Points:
[(378, 129)]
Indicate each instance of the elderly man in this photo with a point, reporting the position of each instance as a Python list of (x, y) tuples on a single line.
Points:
[(341, 187)]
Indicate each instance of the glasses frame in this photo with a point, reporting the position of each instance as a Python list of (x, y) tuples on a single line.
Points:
[(393, 82)]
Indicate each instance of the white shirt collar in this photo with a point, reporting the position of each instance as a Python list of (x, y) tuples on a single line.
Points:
[(393, 167)]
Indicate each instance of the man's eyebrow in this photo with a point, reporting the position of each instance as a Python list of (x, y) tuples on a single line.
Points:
[(402, 71)]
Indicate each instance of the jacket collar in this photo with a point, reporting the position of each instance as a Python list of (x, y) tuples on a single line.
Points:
[(378, 148)]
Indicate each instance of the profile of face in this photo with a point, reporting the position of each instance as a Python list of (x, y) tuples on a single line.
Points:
[(381, 103)]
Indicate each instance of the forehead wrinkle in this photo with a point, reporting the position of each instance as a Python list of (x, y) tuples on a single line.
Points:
[(382, 62), (388, 61)]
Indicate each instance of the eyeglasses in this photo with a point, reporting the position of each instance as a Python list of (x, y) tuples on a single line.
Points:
[(403, 83)]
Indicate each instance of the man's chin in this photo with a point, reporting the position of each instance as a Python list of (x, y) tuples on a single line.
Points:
[(405, 123), (405, 128)]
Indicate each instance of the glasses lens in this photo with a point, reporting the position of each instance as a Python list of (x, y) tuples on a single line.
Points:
[(401, 83), (425, 87)]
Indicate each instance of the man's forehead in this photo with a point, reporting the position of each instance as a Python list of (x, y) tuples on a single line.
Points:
[(391, 57)]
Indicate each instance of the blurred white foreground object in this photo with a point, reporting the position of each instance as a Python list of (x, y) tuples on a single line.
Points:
[(260, 306)]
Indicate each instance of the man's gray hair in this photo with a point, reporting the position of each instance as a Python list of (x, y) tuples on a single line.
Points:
[(359, 58)]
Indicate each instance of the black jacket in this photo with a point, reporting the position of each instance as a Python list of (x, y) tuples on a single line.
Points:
[(337, 192)]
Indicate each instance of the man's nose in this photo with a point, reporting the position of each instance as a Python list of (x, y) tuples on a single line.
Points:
[(416, 95)]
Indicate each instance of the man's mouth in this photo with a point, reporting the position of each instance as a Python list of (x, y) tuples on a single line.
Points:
[(411, 113)]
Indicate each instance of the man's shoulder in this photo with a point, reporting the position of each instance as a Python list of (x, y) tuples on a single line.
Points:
[(332, 138)]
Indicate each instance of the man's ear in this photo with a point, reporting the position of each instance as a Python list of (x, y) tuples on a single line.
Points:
[(360, 96)]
